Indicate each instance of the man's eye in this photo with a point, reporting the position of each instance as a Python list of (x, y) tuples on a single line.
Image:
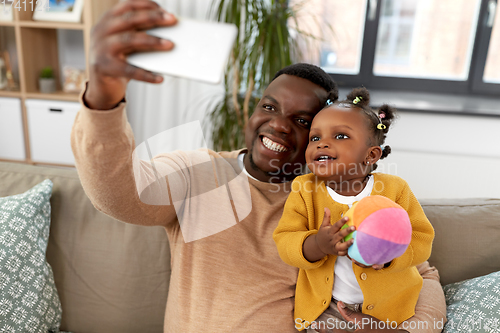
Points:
[(268, 107), (341, 137), (315, 138), (304, 122)]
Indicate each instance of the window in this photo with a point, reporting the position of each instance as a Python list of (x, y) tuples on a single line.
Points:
[(492, 68), (338, 27), (448, 46), (394, 39)]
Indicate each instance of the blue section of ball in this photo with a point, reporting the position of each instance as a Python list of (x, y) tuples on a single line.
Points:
[(353, 251)]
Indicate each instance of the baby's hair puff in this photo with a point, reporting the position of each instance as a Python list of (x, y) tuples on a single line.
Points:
[(379, 120)]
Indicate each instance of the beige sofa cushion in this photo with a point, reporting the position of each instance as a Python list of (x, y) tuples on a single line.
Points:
[(111, 277), (467, 242)]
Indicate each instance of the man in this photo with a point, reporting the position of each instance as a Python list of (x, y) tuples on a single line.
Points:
[(226, 272)]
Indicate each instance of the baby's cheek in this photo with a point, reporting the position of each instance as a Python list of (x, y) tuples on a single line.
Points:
[(311, 167)]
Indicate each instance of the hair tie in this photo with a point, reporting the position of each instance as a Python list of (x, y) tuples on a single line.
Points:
[(329, 102), (381, 116), (357, 100)]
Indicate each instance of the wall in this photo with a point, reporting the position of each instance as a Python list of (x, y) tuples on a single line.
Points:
[(71, 50), (446, 156), (155, 109)]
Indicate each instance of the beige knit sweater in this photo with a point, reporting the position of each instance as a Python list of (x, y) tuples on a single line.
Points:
[(227, 275)]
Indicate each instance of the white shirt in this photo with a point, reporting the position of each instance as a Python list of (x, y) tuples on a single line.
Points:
[(346, 287), (241, 164)]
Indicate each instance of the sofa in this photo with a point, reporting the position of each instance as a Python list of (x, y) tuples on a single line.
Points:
[(114, 277)]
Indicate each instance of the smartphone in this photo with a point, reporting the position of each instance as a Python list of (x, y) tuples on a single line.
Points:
[(201, 50)]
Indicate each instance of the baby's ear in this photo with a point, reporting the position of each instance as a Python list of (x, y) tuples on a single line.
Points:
[(374, 154)]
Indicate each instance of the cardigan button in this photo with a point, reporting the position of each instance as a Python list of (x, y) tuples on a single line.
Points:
[(324, 302), (363, 276), (370, 307), (327, 279)]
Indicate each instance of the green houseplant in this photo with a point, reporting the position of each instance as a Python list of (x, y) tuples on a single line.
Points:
[(46, 80), (263, 46)]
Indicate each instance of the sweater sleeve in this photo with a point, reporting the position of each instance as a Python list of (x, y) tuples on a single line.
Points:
[(103, 146), (419, 249), (292, 231)]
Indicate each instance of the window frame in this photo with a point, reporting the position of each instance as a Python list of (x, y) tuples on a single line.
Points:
[(483, 38), (474, 85)]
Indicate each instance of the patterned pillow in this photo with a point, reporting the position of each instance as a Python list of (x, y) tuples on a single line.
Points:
[(474, 305), (28, 295)]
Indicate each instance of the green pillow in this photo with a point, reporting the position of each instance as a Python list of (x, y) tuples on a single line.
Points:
[(473, 305), (28, 295)]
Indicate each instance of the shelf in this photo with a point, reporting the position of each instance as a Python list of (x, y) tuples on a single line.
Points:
[(7, 23), (51, 25), (15, 161), (70, 166), (58, 95), (33, 45), (8, 93)]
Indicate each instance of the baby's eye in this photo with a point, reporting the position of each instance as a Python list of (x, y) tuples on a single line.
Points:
[(341, 137), (314, 138)]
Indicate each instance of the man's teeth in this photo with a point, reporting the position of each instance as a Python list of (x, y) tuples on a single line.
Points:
[(324, 157), (274, 146)]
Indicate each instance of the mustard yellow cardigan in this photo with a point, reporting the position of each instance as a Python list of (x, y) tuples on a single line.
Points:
[(390, 293)]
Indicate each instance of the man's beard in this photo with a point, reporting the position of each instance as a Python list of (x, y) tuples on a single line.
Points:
[(254, 166), (281, 173)]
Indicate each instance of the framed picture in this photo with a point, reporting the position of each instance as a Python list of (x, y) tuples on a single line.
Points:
[(6, 10), (58, 10)]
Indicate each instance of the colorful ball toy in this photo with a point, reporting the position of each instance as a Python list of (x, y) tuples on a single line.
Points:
[(383, 230)]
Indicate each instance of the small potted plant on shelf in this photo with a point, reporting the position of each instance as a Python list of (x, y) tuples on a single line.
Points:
[(47, 82)]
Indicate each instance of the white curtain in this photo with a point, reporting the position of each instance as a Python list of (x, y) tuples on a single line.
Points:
[(154, 108)]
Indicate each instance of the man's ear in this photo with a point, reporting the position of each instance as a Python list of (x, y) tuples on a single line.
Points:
[(373, 155)]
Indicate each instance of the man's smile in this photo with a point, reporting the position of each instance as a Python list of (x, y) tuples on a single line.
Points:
[(273, 145)]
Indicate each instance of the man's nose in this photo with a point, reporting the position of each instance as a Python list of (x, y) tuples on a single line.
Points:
[(280, 124)]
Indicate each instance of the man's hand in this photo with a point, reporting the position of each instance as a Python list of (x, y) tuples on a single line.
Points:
[(328, 240), (120, 32)]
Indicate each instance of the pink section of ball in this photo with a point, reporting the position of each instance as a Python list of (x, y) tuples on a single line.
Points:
[(392, 224)]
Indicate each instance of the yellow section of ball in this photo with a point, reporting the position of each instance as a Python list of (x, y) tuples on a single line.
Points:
[(350, 222)]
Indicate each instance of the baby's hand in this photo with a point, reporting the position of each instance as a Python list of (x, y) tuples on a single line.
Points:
[(375, 266), (330, 237)]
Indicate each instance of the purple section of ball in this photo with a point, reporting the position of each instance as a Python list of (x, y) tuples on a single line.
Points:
[(353, 251), (378, 251)]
